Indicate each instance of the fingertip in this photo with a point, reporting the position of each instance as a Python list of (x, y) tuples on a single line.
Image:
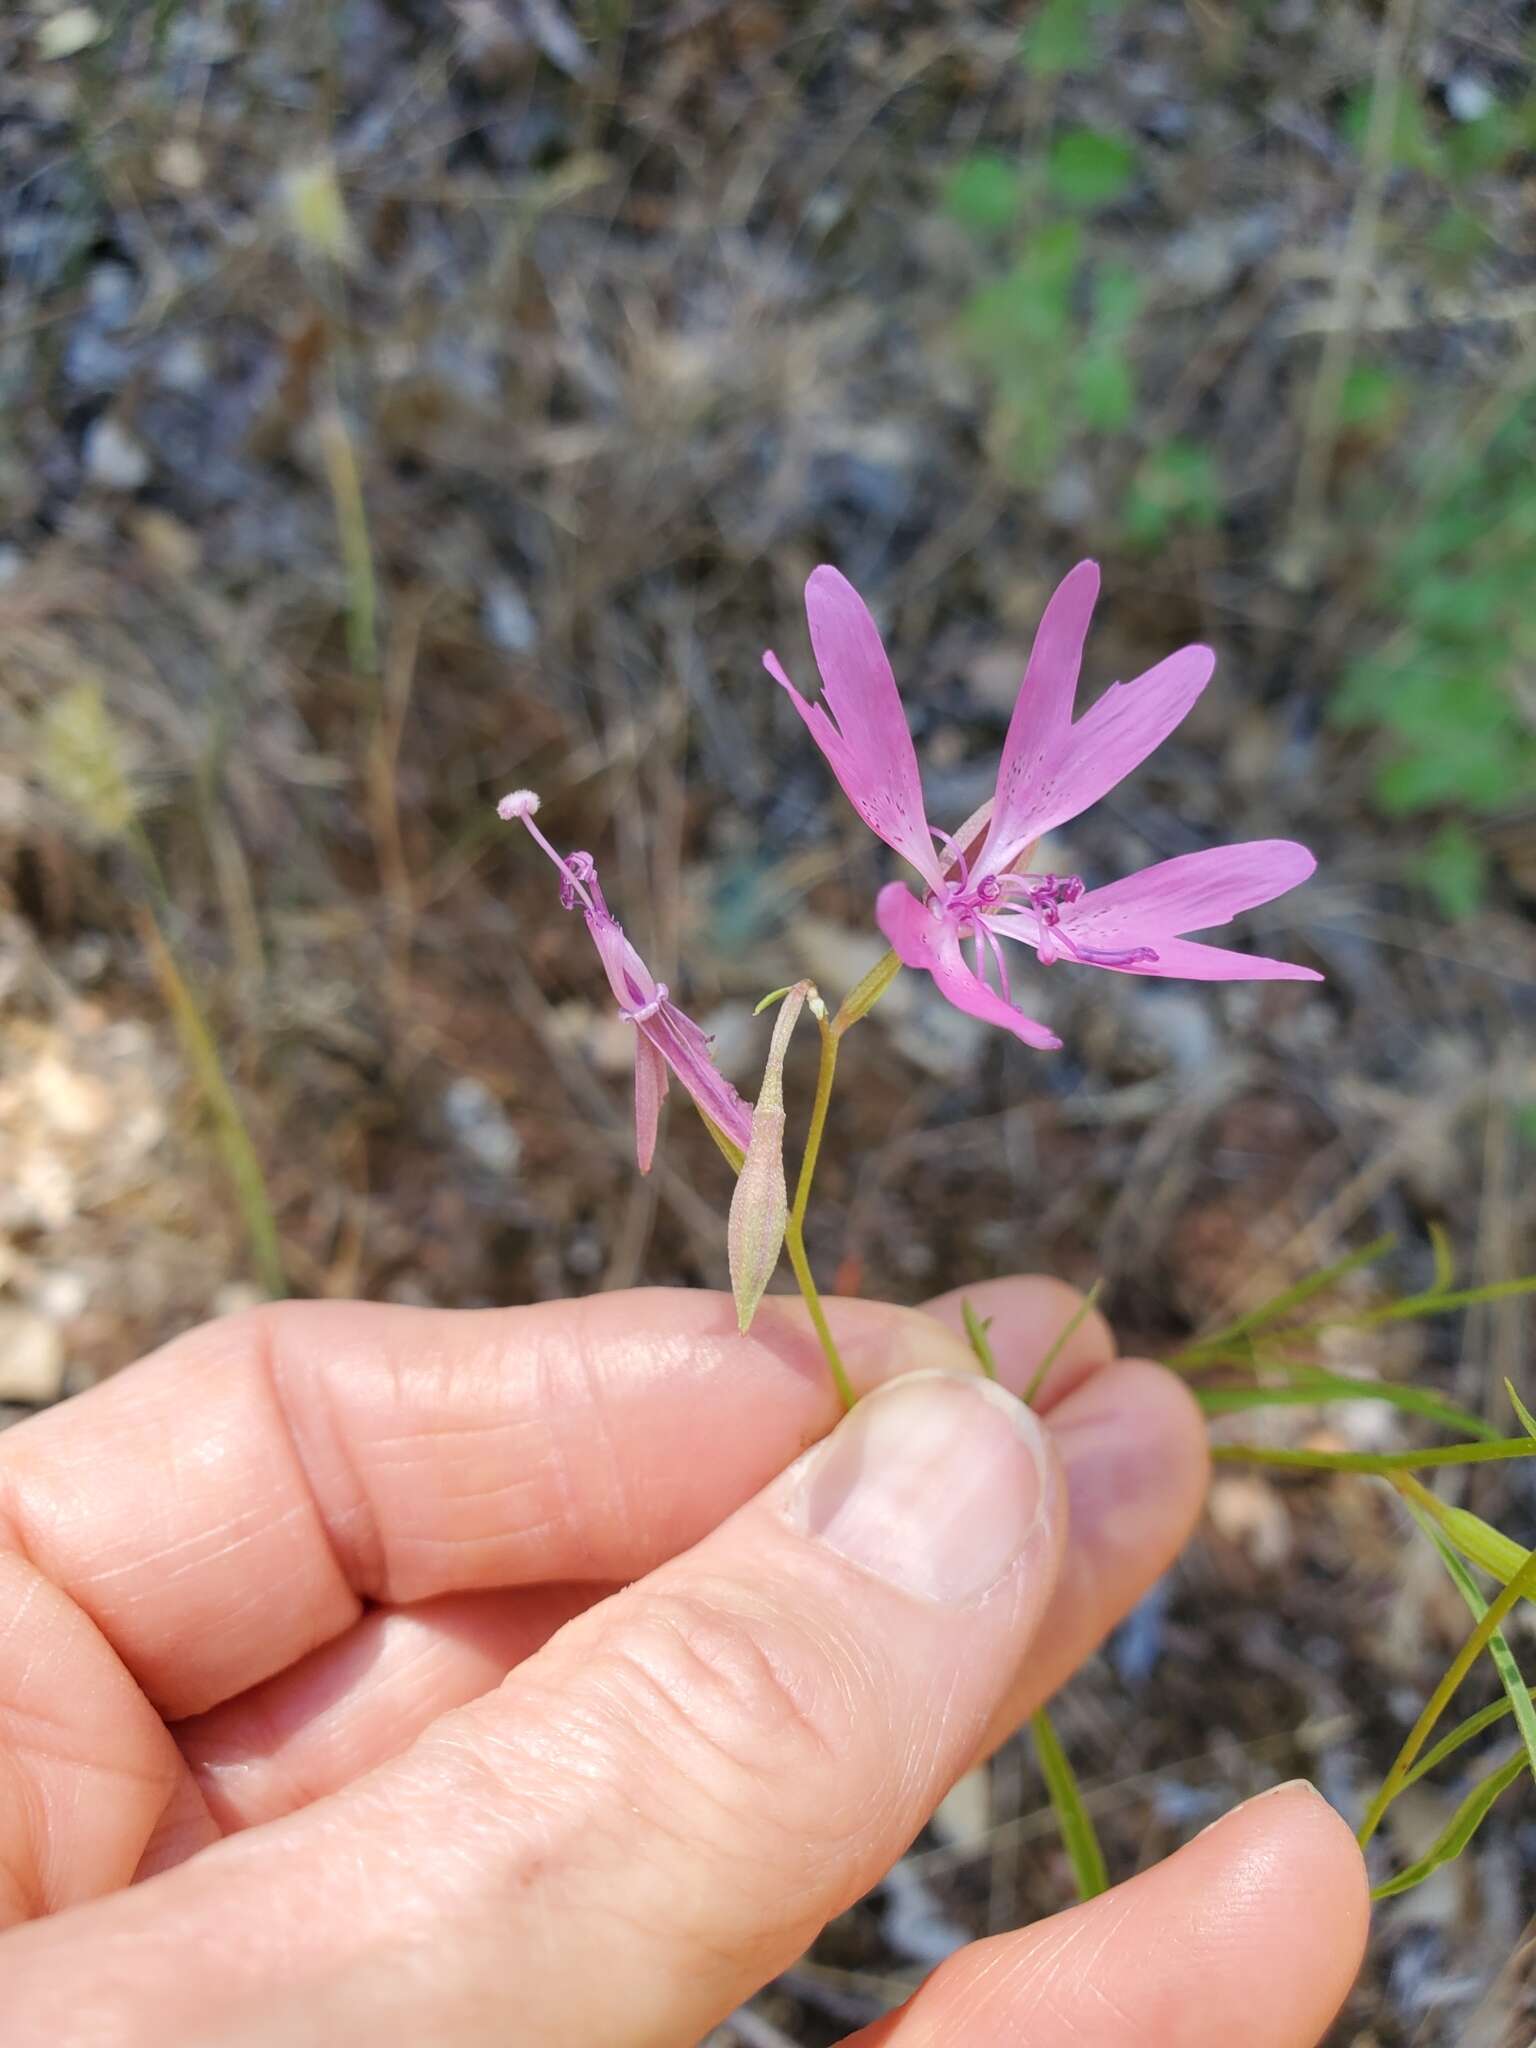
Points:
[(1291, 1837)]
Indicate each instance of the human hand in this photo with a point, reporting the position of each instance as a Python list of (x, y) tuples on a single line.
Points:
[(335, 1584)]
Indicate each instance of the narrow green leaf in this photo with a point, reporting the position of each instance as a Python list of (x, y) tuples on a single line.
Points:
[(1445, 1258), (732, 1152), (1326, 1386), (1415, 1305), (1078, 1836), (1463, 1733), (864, 995), (1291, 1297), (1464, 1824), (1527, 1420), (1519, 1588), (976, 1328), (1510, 1677), (1069, 1330), (1375, 1461)]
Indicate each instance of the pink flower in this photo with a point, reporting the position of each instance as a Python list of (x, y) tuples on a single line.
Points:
[(664, 1037), (1051, 770)]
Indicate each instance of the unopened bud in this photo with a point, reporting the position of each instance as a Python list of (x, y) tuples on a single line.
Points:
[(760, 1205)]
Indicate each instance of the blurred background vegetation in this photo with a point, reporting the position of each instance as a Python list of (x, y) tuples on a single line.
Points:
[(401, 401)]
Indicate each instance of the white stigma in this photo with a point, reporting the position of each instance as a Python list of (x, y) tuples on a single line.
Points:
[(521, 803)]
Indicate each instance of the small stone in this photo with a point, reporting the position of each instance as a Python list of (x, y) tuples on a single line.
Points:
[(1468, 98), (180, 162), (31, 1357), (509, 620), (185, 364), (113, 458), (67, 33)]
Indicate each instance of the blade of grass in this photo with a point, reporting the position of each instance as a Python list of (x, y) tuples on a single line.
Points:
[(1077, 1830), (1464, 1824), (240, 1160), (1416, 1499), (1063, 1337), (976, 1335), (1463, 1733), (1520, 1587), (1315, 1387), (1291, 1297), (1374, 1461), (1527, 1420)]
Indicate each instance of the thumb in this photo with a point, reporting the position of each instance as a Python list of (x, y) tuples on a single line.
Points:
[(657, 1811)]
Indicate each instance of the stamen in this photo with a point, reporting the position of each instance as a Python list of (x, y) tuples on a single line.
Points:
[(957, 858), (578, 871)]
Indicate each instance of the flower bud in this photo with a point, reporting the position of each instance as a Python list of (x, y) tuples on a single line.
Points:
[(760, 1205)]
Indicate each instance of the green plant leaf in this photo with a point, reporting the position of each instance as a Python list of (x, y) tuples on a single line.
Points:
[(1106, 395), (1464, 1824), (1426, 1509), (1269, 1312), (1463, 1733), (1078, 1835), (1454, 869), (1314, 1387), (1527, 1420), (1063, 1338), (1059, 39), (1091, 167), (983, 193), (976, 1328)]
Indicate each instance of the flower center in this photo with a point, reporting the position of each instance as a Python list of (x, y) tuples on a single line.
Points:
[(968, 899)]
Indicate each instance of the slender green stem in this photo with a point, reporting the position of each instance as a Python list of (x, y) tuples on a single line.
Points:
[(801, 1268), (825, 1074), (794, 1230)]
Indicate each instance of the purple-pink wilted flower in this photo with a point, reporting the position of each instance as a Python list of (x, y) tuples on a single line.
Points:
[(1051, 770), (664, 1037)]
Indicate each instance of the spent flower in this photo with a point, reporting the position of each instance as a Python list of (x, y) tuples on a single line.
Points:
[(667, 1041), (1051, 770)]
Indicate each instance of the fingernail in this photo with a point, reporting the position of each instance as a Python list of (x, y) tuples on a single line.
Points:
[(936, 1484)]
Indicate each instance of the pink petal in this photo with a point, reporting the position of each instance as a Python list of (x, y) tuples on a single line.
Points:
[(650, 1092), (1191, 893), (868, 748), (1042, 712), (686, 1050), (1083, 764), (923, 940), (1188, 960)]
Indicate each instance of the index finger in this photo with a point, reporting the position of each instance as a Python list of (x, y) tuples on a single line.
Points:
[(233, 1501)]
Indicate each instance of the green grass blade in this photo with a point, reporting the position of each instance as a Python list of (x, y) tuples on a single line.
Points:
[(241, 1163), (976, 1335), (1381, 1462), (1414, 1305), (1527, 1419), (1064, 1337), (1464, 1824), (1463, 1733), (1077, 1830), (1515, 1688), (1520, 1587), (1325, 1386), (1291, 1297)]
